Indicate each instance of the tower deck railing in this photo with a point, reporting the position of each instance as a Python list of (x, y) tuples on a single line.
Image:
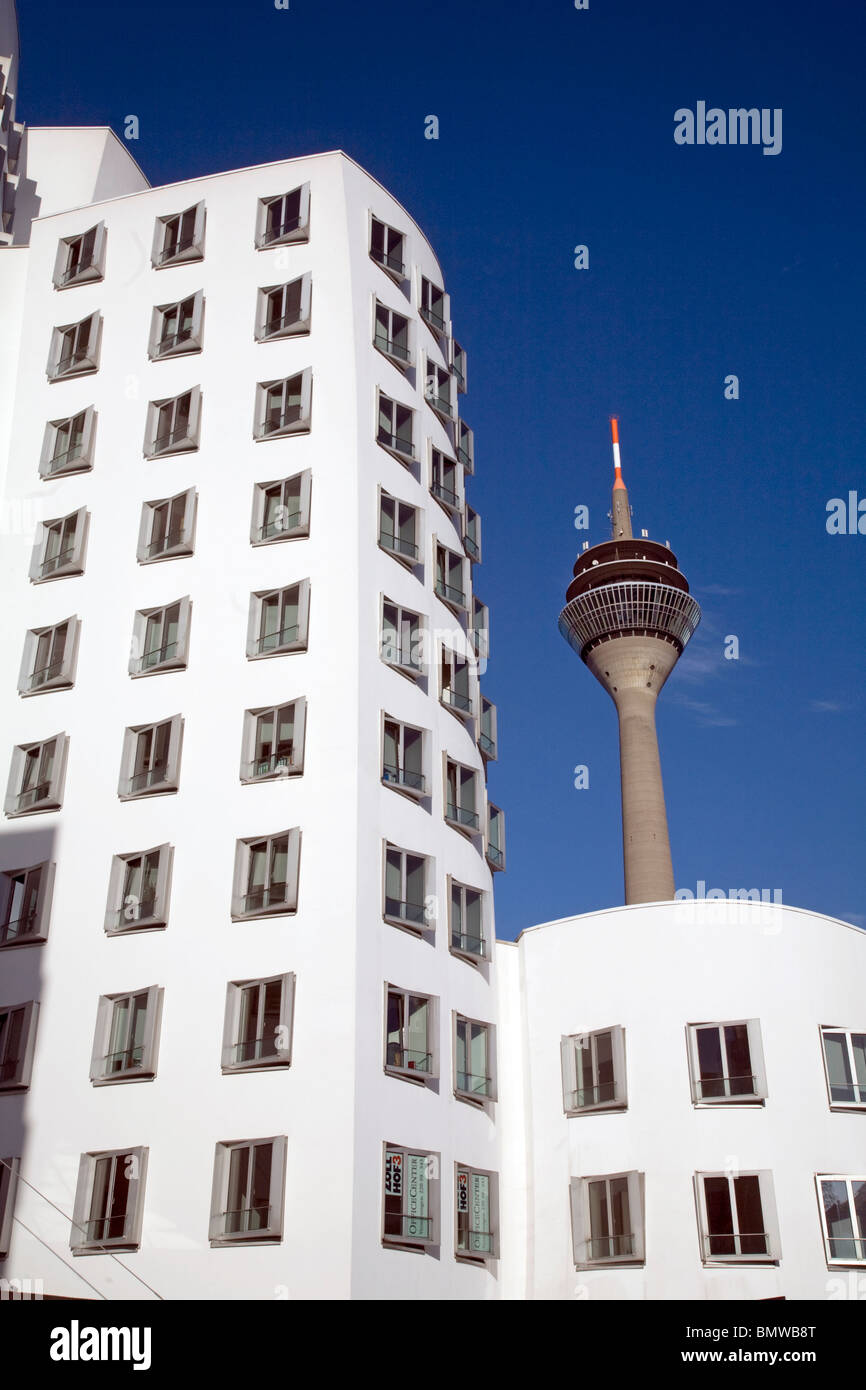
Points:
[(627, 608)]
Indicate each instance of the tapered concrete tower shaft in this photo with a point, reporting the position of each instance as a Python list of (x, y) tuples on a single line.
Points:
[(629, 614)]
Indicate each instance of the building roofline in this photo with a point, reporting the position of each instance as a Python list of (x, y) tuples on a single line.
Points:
[(692, 903), (123, 145)]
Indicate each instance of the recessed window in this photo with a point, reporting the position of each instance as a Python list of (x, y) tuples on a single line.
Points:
[(487, 730), (283, 311), (138, 890), (411, 1197), (167, 529), (842, 1203), (150, 764), (283, 407), (49, 658), (279, 621), (466, 446), (75, 349), (479, 633), (173, 424), (607, 1219), (284, 218), (395, 428), (126, 1038), (8, 1186), (388, 249), (402, 639), (258, 1024), (476, 1202), (273, 742), (59, 549), (17, 1042), (410, 1034), (36, 777), (80, 258), (450, 577), (177, 328), (456, 683), (281, 509), (472, 534), (25, 904), (433, 306), (438, 389), (466, 921), (179, 237), (458, 364), (495, 848), (68, 445), (109, 1201), (407, 880), (474, 1059), (248, 1192), (403, 758), (160, 639), (845, 1067), (737, 1218), (391, 335), (399, 528), (266, 875), (445, 482), (593, 1071), (726, 1063), (461, 796)]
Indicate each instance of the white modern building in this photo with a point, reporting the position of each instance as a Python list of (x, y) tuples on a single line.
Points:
[(256, 1038)]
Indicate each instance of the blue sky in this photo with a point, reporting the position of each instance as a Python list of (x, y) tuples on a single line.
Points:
[(556, 129)]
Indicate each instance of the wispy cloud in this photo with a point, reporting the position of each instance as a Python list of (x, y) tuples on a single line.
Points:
[(826, 706), (717, 590), (705, 712)]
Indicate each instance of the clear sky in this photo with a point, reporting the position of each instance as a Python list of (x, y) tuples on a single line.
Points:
[(556, 129)]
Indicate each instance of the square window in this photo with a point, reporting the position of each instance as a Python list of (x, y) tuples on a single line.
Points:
[(401, 640), (160, 639), (446, 483), (273, 742), (68, 445), (109, 1201), (150, 764), (279, 621), (75, 349), (461, 796), (284, 218), (50, 656), (17, 1043), (842, 1203), (283, 407), (476, 1204), (283, 311), (404, 758), (457, 683), (173, 424), (388, 249), (737, 1218), (434, 306), (593, 1071), (411, 1030), (266, 875), (60, 547), (37, 776), (392, 334), (487, 731), (726, 1063), (138, 891), (8, 1186), (177, 328), (410, 1208), (395, 426), (80, 258), (126, 1038), (474, 1059), (458, 364), (167, 529), (25, 904), (399, 529), (845, 1067), (451, 577), (179, 237), (466, 446), (439, 389), (607, 1219), (258, 1024), (248, 1192), (472, 534), (466, 921), (281, 509), (495, 848), (408, 890)]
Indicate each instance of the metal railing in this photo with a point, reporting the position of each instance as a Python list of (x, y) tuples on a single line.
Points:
[(398, 545), (403, 777), (172, 340), (396, 442), (273, 641), (391, 347), (462, 815), (102, 1228), (445, 494), (610, 1247), (744, 1243), (276, 420), (475, 1242), (73, 271), (472, 945), (53, 562), (163, 442), (122, 1061), (157, 656), (495, 855), (255, 1049), (593, 1095), (46, 674), (32, 795), (721, 1087), (459, 377), (404, 911), (148, 777), (465, 457), (141, 911), (276, 528), (18, 926), (474, 1085), (276, 324), (67, 456), (847, 1247), (280, 762), (487, 745), (442, 404), (450, 593), (473, 550), (176, 248), (72, 359), (850, 1091), (408, 1227), (272, 234), (407, 1059), (388, 259), (272, 896), (430, 316), (628, 607), (397, 656), (456, 699), (246, 1219), (171, 538)]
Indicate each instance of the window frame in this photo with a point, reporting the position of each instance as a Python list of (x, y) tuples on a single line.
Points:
[(768, 1217), (466, 827), (581, 1220), (19, 1081), (457, 600), (123, 917), (451, 500), (488, 743), (464, 445), (457, 363), (65, 676), (468, 1170), (255, 637), (294, 767), (841, 1261), (282, 1056), (399, 274), (301, 529), (445, 408), (848, 1034), (472, 544), (396, 783), (53, 800), (425, 926), (386, 344), (303, 424), (194, 340), (465, 952), (408, 1071), (495, 854), (88, 357), (272, 1234), (171, 781), (77, 552), (64, 279), (130, 1239), (756, 1060), (413, 563), (463, 1093), (432, 1166), (386, 439), (288, 235), (193, 251), (184, 545), (450, 697), (9, 1169), (176, 662), (189, 440), (479, 633), (417, 638), (296, 327), (82, 461), (439, 324), (41, 914), (570, 1089), (287, 906), (146, 1069)]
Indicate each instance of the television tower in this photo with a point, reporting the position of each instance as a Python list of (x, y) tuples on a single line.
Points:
[(628, 615)]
